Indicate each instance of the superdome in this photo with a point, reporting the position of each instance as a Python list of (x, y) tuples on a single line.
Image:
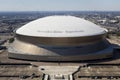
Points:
[(60, 38)]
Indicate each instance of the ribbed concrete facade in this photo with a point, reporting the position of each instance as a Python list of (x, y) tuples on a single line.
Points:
[(63, 48)]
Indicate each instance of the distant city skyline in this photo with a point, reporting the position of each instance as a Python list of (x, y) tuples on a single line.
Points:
[(59, 5)]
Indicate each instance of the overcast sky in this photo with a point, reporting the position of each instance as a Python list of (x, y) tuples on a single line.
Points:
[(59, 5)]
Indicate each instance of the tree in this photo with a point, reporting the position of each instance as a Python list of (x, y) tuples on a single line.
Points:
[(11, 40)]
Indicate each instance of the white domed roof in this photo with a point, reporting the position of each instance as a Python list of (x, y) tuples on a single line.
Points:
[(60, 26)]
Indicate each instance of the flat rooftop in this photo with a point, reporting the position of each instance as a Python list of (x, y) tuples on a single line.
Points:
[(15, 69)]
